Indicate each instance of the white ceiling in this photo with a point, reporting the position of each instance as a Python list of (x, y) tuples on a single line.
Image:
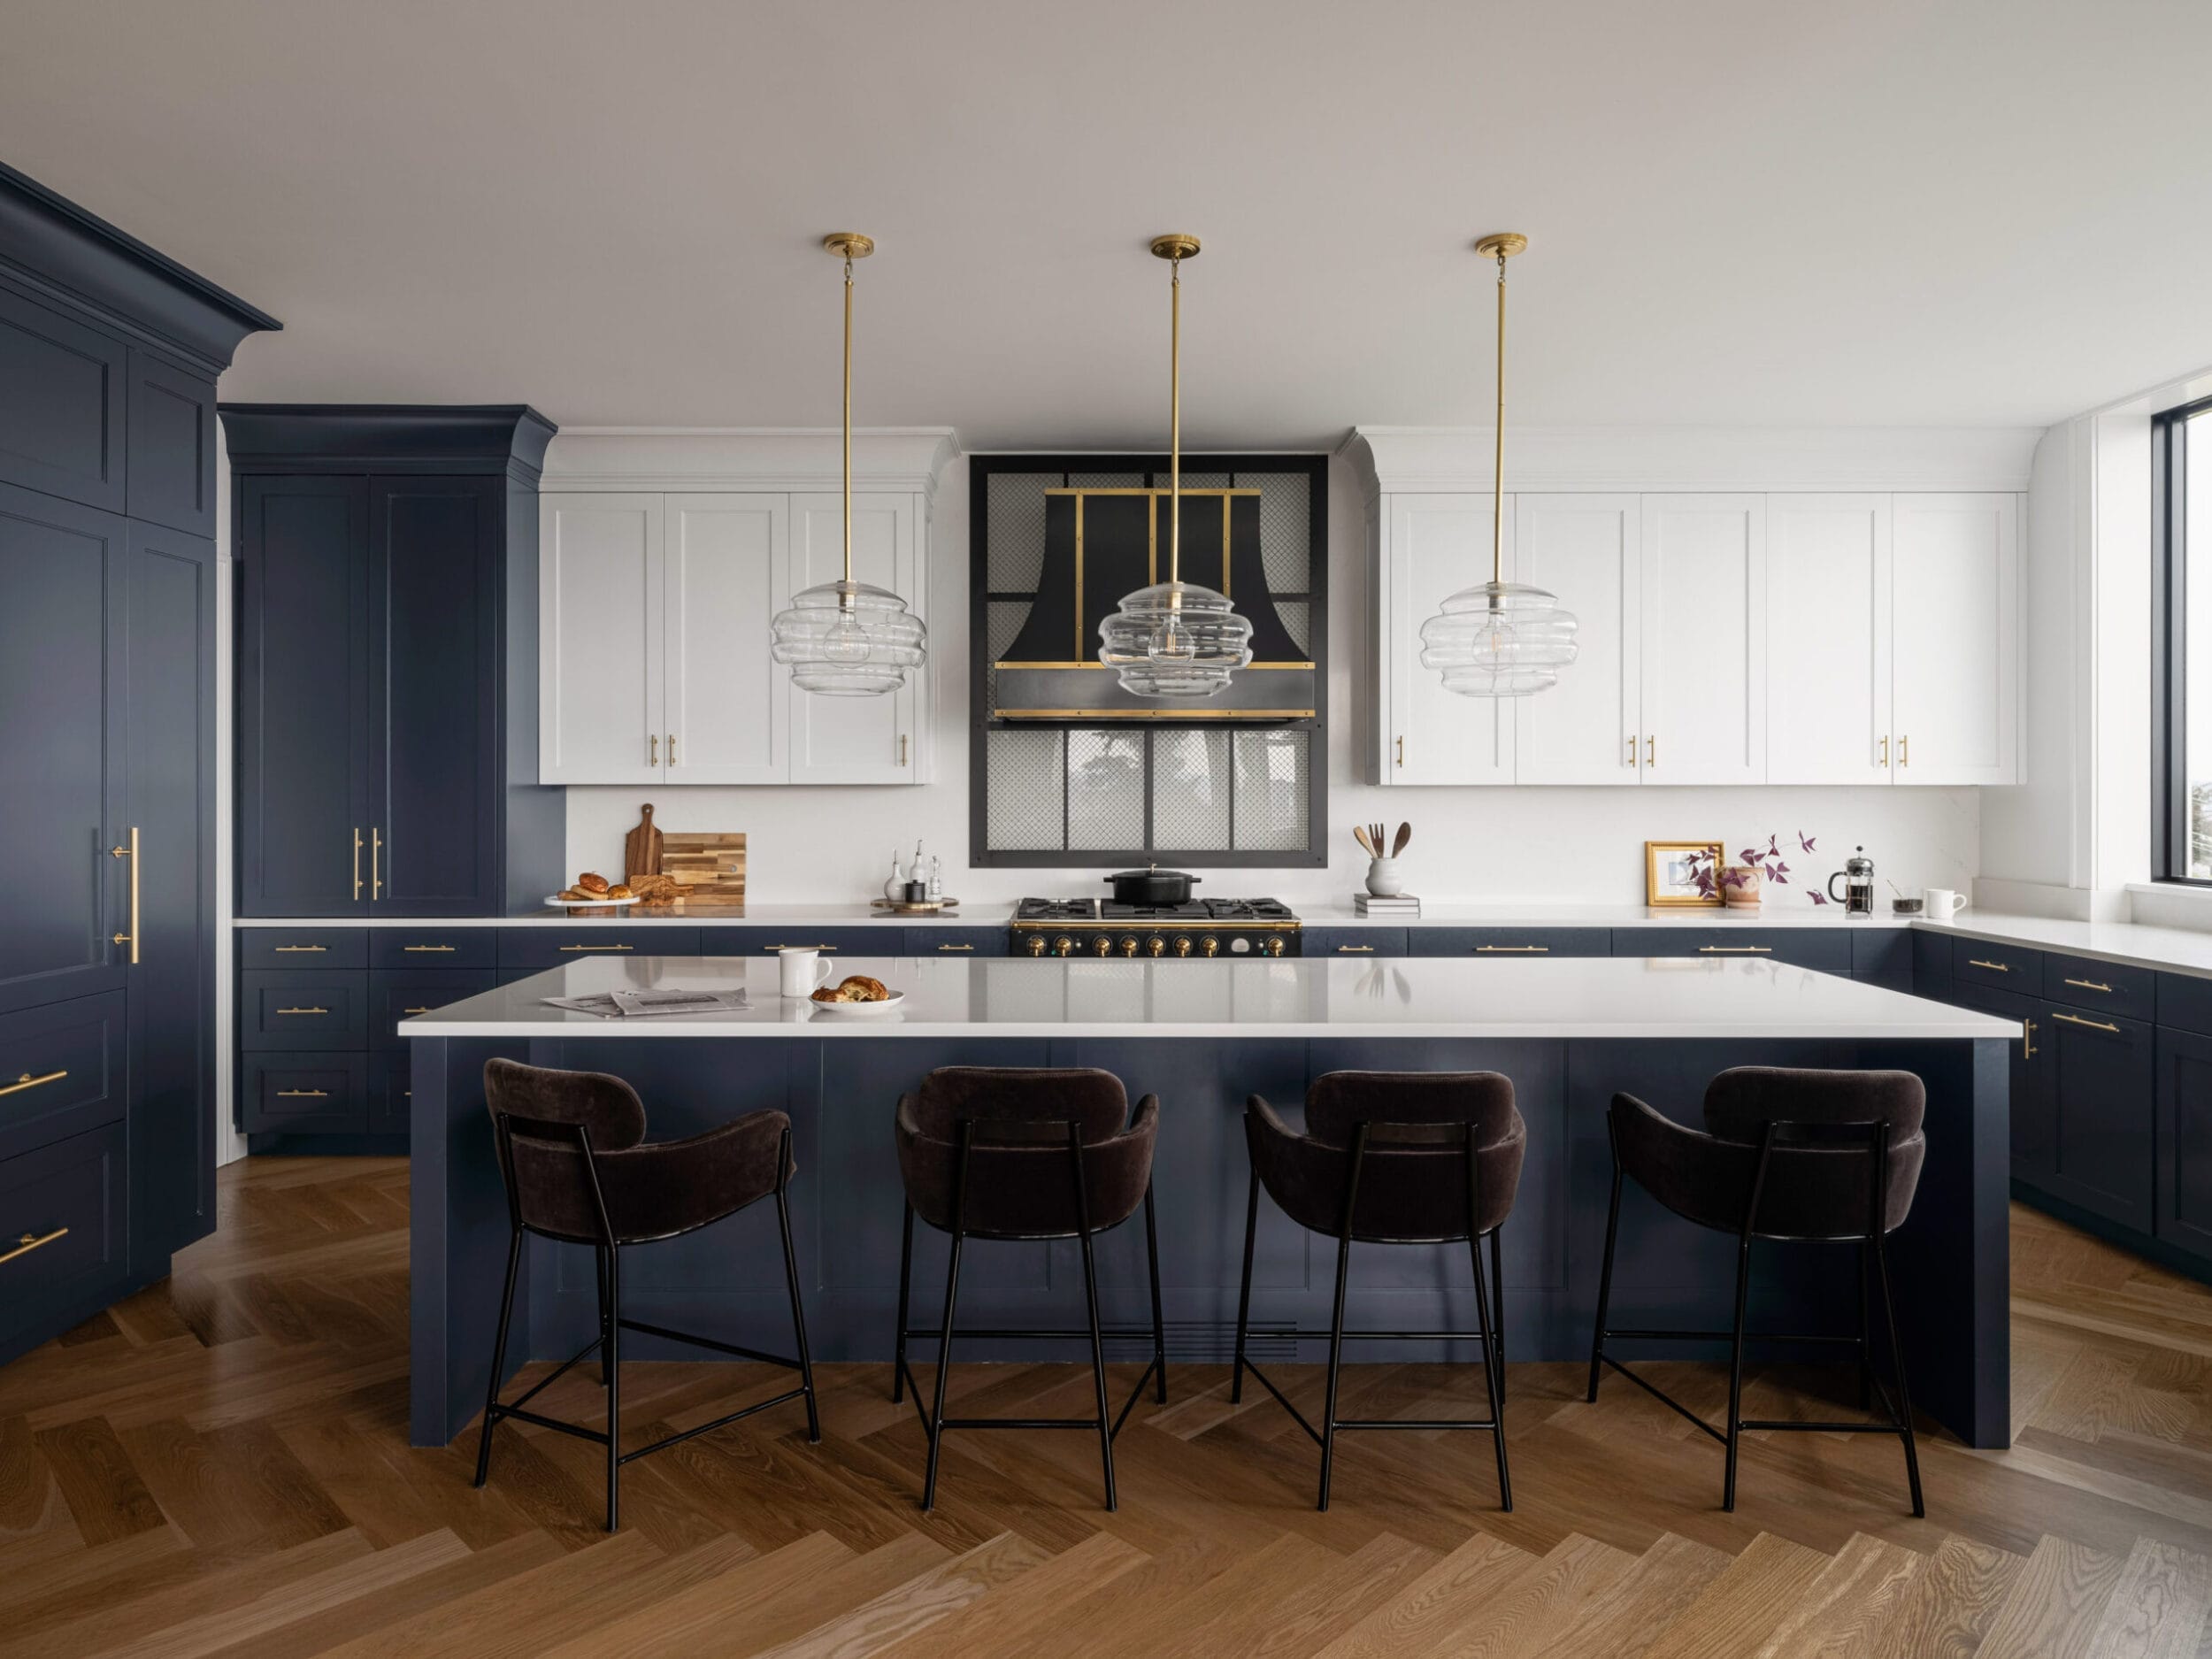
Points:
[(1766, 211)]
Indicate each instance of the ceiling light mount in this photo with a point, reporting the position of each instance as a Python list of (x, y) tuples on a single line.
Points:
[(1175, 245), (1502, 244), (850, 244)]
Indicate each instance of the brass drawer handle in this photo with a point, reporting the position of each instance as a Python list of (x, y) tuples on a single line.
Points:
[(1512, 950), (302, 1093), (2076, 1019), (2027, 1040), (1735, 951), (131, 938), (376, 865), (417, 950), (798, 946), (31, 1241), (303, 1010), (1994, 967), (598, 946), (356, 864), (955, 947), (2091, 985), (294, 950), (414, 1010), (1349, 951), (27, 1081)]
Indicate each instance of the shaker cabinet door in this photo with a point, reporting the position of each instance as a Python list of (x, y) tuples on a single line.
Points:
[(61, 634), (2103, 1110), (1587, 728), (854, 739), (600, 622), (1957, 628), (2185, 1140), (726, 566), (1828, 640), (1436, 546), (304, 758), (1703, 662)]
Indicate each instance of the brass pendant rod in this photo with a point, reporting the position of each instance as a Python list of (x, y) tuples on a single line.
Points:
[(848, 422), (1497, 454), (1175, 424)]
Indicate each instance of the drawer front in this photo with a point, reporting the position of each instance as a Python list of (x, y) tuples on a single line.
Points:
[(1828, 949), (1883, 956), (61, 1071), (311, 948), (305, 1094), (1504, 943), (61, 1234), (1930, 960), (2184, 1003), (405, 992), (390, 1103), (2102, 987), (1353, 941), (2000, 967), (556, 947), (889, 940), (434, 948), (955, 941), (303, 1010)]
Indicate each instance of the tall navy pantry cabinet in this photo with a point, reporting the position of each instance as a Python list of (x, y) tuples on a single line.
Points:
[(388, 662), (109, 355)]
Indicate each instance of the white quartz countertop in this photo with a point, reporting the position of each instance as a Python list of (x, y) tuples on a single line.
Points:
[(2175, 949), (1794, 913), (1446, 997), (697, 915)]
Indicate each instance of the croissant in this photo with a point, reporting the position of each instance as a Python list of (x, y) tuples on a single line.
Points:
[(863, 989)]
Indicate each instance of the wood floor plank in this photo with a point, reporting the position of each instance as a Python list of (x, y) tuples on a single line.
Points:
[(2157, 1609), (1626, 1617), (685, 1621), (1950, 1608), (102, 1489), (1425, 1612), (2055, 1606), (1849, 1605), (915, 1604), (1008, 1618), (1745, 1605), (1542, 1603)]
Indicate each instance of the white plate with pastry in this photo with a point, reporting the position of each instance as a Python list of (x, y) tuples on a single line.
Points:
[(563, 901), (857, 997)]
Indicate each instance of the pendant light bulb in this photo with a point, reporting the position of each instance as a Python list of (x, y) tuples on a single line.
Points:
[(848, 639)]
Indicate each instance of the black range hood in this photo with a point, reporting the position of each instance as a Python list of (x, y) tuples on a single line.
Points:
[(1101, 544)]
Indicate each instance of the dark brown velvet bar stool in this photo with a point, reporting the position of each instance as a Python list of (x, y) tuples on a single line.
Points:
[(578, 1170), (1004, 1152), (1786, 1155), (1391, 1157)]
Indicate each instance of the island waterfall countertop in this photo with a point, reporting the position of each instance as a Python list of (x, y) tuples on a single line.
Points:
[(1438, 997)]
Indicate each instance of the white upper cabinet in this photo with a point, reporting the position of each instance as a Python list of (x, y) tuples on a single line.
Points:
[(1704, 639), (599, 638), (1585, 550), (854, 739), (725, 573), (1828, 640), (1435, 545), (1956, 610)]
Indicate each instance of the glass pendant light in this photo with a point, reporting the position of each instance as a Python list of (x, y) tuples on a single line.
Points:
[(848, 639), (1500, 639), (1175, 638)]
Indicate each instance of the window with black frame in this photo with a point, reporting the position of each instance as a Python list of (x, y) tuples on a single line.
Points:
[(2184, 768)]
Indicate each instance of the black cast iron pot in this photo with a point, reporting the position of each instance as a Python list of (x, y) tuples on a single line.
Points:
[(1152, 886)]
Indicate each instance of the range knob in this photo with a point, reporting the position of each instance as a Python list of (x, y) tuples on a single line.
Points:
[(1036, 944), (1064, 946), (1209, 945), (1129, 945), (1274, 945), (1156, 945), (1182, 944), (1103, 945)]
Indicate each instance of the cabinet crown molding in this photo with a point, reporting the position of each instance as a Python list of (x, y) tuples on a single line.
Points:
[(676, 458), (1444, 460)]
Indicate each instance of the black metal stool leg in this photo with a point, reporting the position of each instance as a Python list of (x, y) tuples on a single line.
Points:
[(1244, 1289), (1492, 1338), (1735, 1368), (1497, 1283), (1159, 1321), (499, 1359), (1866, 1329), (944, 1369), (1336, 1361), (1904, 1395), (906, 1274), (798, 1312), (1090, 1302), (1605, 1275), (599, 1251), (614, 1353)]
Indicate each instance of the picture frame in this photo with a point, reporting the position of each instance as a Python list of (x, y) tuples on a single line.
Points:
[(1682, 874)]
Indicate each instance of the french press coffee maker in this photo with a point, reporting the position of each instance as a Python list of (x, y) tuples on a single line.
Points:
[(1857, 876)]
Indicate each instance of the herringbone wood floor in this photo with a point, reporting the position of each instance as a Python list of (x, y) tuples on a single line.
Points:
[(220, 1465)]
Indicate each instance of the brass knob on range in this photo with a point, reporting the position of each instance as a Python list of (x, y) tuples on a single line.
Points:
[(1182, 944), (1209, 945), (1274, 945), (1156, 945), (1129, 945), (1103, 945), (1036, 943), (1064, 946)]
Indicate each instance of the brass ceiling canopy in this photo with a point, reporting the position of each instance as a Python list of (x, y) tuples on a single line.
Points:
[(1175, 245), (850, 245), (1502, 244)]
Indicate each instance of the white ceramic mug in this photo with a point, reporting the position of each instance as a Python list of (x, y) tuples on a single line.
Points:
[(801, 970), (1941, 903)]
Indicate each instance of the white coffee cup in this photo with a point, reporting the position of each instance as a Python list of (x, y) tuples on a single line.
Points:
[(1941, 903), (801, 970)]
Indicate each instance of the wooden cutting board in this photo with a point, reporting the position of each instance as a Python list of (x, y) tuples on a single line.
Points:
[(705, 865), (641, 847)]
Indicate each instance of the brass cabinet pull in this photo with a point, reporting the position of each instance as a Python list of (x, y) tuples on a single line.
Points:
[(798, 946), (2076, 1019), (1735, 951), (303, 1010), (1885, 748), (1512, 950), (955, 947), (672, 748), (902, 749), (2027, 1040), (1352, 950), (2091, 985), (30, 1241), (1402, 752), (287, 950), (1904, 750), (420, 949), (376, 865), (1994, 967), (1651, 751), (653, 750), (1631, 749), (598, 946), (27, 1081), (302, 1093), (356, 864), (131, 938), (414, 1010)]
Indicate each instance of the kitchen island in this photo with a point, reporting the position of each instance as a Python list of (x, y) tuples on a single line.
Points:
[(1202, 1035)]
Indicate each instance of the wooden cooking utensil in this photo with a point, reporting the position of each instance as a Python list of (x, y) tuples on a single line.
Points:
[(1405, 834), (1359, 834), (1377, 834), (641, 847)]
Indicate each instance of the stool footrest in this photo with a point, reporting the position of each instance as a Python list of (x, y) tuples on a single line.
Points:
[(707, 1342), (707, 1428), (1722, 1336)]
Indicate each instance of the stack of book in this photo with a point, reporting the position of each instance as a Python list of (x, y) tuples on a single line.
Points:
[(1373, 905)]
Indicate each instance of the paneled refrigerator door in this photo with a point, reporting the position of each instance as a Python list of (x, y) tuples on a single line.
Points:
[(600, 622), (1828, 640), (1436, 546), (1957, 610), (725, 564), (856, 740), (1704, 639), (1585, 550)]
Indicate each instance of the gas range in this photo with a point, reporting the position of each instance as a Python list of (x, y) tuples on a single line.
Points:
[(1198, 928)]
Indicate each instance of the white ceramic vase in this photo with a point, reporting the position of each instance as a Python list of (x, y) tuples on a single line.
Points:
[(1383, 879)]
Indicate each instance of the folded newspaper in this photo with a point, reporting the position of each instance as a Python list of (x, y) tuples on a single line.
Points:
[(652, 1004)]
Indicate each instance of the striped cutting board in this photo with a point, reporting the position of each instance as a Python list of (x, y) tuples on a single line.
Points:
[(706, 864)]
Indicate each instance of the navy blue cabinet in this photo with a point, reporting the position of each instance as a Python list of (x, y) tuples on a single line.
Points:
[(2184, 1129), (388, 662), (2101, 1082), (1827, 949), (1883, 956), (1353, 941), (1511, 942), (2034, 1110), (170, 446), (61, 414)]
